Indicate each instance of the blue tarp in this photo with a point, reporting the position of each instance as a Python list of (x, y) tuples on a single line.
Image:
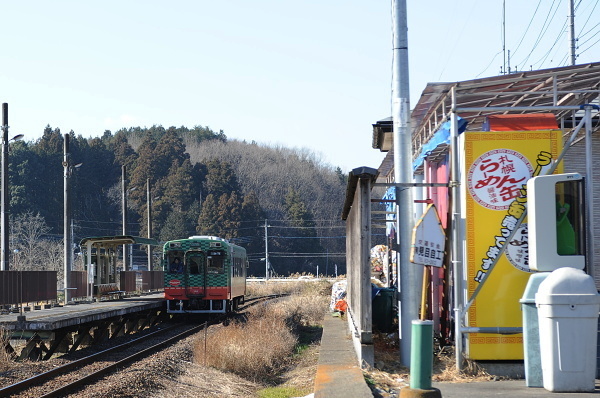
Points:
[(442, 136)]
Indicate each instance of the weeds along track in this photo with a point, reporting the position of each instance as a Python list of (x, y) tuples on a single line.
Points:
[(75, 375)]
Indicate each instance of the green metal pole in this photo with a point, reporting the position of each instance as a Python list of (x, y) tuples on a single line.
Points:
[(421, 355)]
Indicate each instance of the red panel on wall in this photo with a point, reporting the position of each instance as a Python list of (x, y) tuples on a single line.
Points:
[(534, 121)]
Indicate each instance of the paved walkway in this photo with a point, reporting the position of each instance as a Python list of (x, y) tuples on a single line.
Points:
[(338, 373), (504, 388)]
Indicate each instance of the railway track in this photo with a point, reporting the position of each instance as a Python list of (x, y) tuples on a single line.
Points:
[(71, 377)]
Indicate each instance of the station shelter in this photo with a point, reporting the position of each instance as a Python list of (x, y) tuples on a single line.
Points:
[(103, 274)]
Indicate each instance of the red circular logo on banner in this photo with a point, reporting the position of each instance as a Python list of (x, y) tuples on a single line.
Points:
[(496, 177), (175, 282)]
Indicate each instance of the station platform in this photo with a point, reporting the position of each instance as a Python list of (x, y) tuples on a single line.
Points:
[(41, 333), (338, 373), (79, 313)]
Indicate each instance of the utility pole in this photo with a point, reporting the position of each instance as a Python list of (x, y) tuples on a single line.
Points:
[(149, 206), (124, 213), (572, 31), (504, 36), (408, 308), (68, 237), (4, 265), (266, 252)]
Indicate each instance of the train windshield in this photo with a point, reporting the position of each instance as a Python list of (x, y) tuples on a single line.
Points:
[(195, 262), (215, 262)]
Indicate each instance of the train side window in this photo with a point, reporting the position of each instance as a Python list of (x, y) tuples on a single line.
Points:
[(215, 263), (236, 267)]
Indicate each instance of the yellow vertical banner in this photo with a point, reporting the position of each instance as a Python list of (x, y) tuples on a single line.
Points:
[(496, 167)]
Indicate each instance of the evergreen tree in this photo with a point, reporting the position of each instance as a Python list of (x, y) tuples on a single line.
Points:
[(230, 212), (145, 167), (179, 186), (20, 181), (252, 232), (208, 219), (47, 177), (340, 174), (123, 153), (176, 226), (169, 149), (220, 178), (304, 239)]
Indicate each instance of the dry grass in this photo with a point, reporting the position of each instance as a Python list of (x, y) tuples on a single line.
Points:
[(300, 288), (389, 374), (263, 345), (444, 369), (254, 350), (6, 359)]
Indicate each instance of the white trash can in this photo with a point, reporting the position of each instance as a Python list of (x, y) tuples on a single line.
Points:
[(568, 305), (531, 331)]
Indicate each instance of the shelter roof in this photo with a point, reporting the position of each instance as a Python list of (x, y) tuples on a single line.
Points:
[(540, 91), (103, 241)]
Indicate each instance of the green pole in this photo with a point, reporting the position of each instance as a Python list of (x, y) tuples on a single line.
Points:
[(421, 355)]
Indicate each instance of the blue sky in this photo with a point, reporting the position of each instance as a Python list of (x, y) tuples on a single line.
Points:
[(306, 74)]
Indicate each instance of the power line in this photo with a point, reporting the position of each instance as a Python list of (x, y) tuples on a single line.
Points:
[(545, 27), (527, 29), (587, 20), (593, 44)]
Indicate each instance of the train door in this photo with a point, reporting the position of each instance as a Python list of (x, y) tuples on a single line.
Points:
[(195, 274)]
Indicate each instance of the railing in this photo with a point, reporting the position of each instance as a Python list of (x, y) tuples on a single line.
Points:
[(127, 281), (152, 280), (78, 288), (141, 281), (27, 286)]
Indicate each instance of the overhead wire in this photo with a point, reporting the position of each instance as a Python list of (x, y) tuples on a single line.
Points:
[(542, 33), (587, 20), (528, 26), (592, 45), (561, 33)]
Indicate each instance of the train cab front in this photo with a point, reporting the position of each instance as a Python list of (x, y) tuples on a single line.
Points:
[(194, 278)]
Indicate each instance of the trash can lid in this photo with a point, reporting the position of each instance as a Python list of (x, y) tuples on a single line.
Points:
[(565, 282), (532, 287), (567, 299)]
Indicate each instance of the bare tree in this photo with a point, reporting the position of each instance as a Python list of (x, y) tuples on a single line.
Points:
[(33, 247)]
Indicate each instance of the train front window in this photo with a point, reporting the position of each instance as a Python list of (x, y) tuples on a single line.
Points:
[(195, 263), (216, 262), (175, 262)]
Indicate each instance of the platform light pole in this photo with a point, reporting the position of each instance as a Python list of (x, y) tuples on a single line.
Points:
[(5, 198), (68, 238)]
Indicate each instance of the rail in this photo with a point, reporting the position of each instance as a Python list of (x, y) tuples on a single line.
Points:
[(37, 380)]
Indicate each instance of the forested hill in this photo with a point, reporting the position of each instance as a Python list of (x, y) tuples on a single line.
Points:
[(201, 183)]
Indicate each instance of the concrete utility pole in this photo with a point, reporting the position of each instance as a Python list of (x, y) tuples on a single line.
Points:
[(572, 39), (403, 174), (124, 213), (5, 201), (149, 206), (67, 228), (266, 252)]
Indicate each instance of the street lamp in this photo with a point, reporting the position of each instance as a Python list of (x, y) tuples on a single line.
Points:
[(68, 238), (4, 197)]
